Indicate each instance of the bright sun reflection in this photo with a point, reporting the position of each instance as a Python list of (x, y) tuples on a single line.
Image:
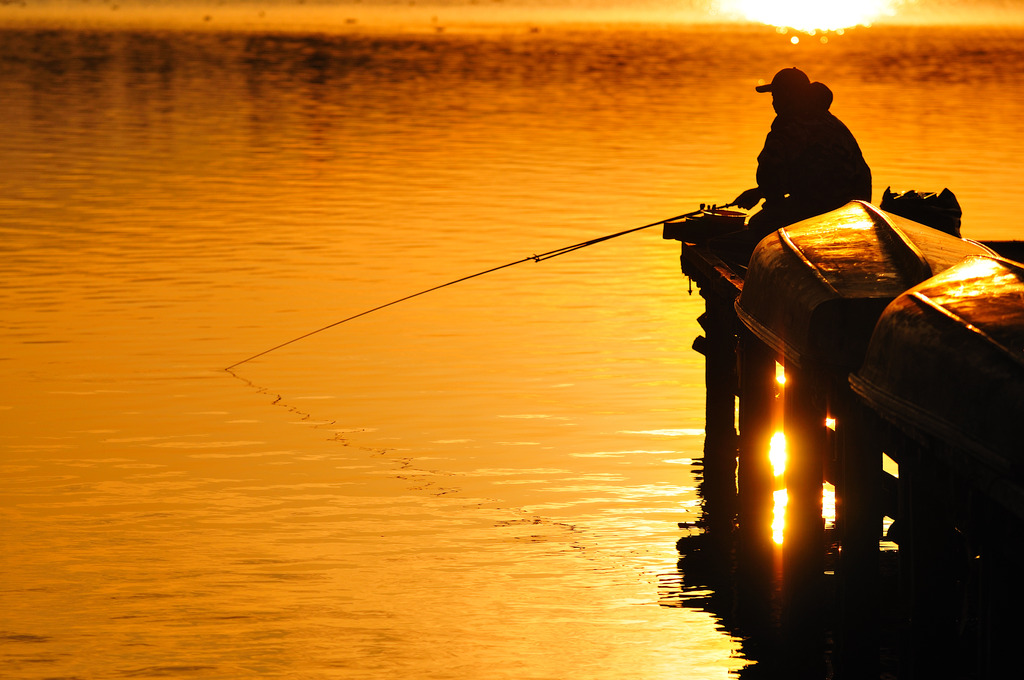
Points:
[(828, 504), (814, 15), (781, 499), (777, 453)]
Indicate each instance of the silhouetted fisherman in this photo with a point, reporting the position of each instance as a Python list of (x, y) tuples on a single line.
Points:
[(810, 163)]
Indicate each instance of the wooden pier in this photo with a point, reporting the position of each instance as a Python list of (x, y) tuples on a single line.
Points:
[(936, 597)]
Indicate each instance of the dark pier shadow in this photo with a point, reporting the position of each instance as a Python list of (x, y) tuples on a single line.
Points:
[(710, 578)]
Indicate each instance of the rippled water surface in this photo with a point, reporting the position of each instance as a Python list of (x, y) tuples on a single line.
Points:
[(482, 482)]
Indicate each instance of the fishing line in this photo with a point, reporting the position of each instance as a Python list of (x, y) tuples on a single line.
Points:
[(534, 258)]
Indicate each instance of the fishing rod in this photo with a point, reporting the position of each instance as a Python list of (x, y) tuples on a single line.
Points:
[(534, 258)]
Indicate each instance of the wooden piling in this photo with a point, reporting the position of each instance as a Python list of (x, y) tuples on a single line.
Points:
[(719, 348), (927, 580), (1000, 594), (755, 548), (719, 285), (858, 486), (804, 541)]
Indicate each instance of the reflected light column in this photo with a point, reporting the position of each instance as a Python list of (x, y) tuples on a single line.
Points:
[(777, 457)]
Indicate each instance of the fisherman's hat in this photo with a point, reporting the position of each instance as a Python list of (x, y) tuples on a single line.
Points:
[(788, 80)]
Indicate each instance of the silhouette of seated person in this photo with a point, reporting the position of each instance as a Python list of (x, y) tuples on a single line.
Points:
[(810, 164)]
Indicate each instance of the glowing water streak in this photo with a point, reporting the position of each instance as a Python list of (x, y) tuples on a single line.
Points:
[(777, 453), (781, 499)]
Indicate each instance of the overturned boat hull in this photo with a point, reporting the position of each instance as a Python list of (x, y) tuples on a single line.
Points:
[(947, 357), (814, 290)]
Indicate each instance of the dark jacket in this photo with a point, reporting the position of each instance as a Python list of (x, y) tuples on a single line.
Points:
[(813, 158)]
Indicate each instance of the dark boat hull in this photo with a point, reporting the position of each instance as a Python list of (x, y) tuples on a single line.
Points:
[(947, 357), (814, 290)]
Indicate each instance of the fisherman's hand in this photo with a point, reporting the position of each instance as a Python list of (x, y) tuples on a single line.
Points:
[(748, 199)]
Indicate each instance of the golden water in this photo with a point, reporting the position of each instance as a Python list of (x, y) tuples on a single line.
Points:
[(480, 483)]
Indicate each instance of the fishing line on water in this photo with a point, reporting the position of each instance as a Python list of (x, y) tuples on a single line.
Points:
[(534, 258)]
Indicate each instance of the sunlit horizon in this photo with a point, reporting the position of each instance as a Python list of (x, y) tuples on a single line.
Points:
[(814, 15), (786, 16)]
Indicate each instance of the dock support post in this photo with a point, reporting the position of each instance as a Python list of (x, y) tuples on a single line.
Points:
[(719, 349), (1001, 595), (859, 522), (804, 542), (927, 583), (755, 481)]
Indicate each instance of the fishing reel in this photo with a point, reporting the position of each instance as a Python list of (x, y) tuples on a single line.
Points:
[(704, 224)]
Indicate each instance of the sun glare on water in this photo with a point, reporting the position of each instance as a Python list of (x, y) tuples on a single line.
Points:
[(814, 15)]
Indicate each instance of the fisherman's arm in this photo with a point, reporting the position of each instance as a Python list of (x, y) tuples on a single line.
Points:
[(771, 171), (774, 164), (748, 199)]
